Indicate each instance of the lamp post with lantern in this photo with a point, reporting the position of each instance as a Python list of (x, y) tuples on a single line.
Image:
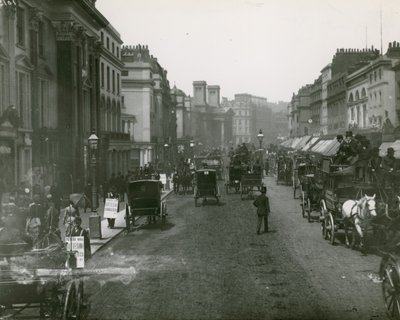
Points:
[(260, 137), (94, 219)]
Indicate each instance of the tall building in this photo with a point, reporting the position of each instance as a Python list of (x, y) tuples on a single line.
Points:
[(116, 143), (147, 97), (345, 61), (49, 65), (251, 113)]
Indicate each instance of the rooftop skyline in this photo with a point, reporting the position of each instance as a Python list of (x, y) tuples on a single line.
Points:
[(262, 47)]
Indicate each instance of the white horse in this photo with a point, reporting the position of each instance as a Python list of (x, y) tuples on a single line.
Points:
[(358, 213)]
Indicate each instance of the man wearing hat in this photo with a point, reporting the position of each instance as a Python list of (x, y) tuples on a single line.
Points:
[(262, 204), (112, 194), (389, 166)]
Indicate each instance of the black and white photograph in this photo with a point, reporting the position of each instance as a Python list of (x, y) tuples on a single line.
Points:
[(200, 159)]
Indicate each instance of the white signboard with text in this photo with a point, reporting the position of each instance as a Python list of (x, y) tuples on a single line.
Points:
[(111, 208), (78, 246), (163, 178)]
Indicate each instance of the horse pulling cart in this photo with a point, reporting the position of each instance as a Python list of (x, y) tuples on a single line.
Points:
[(232, 181), (284, 170), (250, 182), (40, 280), (347, 203), (144, 200), (206, 186), (311, 193)]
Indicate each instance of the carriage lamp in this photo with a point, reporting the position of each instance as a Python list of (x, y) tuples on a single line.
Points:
[(94, 219), (260, 137)]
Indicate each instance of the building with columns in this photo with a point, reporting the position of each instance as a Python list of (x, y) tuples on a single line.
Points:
[(211, 123), (50, 99)]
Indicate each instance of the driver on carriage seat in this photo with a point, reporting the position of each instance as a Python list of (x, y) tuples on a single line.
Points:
[(390, 166)]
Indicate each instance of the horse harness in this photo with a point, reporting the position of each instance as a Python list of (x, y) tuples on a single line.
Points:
[(357, 213)]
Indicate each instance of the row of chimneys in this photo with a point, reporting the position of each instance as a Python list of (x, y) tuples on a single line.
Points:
[(356, 50), (137, 47)]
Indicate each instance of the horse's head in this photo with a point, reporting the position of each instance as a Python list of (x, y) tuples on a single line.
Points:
[(370, 205)]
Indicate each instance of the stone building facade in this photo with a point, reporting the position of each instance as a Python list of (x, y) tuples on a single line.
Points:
[(50, 55), (147, 97), (211, 123), (116, 140)]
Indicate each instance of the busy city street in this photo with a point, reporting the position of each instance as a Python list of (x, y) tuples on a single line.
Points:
[(196, 160), (209, 263)]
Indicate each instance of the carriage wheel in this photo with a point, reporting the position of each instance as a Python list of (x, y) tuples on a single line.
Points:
[(330, 229), (70, 309), (164, 214), (303, 204), (79, 297), (323, 220), (127, 219), (308, 210), (389, 273)]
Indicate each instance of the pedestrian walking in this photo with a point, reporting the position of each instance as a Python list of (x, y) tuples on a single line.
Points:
[(112, 195), (262, 204)]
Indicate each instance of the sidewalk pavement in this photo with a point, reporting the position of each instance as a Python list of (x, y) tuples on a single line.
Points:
[(107, 233)]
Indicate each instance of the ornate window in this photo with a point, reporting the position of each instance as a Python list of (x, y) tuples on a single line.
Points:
[(20, 26)]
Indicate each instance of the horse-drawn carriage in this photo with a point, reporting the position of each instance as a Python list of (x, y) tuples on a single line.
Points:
[(39, 279), (144, 200), (284, 170), (232, 180), (311, 194), (347, 203), (302, 167), (250, 182), (206, 185)]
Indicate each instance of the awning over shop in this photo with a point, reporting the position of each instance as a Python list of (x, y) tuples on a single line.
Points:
[(330, 148), (286, 143), (303, 141), (385, 145), (309, 144), (333, 148), (321, 146), (317, 145), (295, 142)]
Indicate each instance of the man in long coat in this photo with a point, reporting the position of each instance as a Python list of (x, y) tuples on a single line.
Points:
[(262, 204)]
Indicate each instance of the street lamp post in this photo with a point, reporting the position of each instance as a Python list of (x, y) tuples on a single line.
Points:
[(94, 219), (260, 137), (192, 149)]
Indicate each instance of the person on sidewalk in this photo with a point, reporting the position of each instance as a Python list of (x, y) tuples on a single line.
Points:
[(71, 212), (112, 195), (262, 204), (78, 231)]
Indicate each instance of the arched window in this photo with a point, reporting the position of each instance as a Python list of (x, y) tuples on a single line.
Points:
[(103, 114), (119, 118), (109, 113), (351, 99), (113, 117), (357, 95), (363, 93)]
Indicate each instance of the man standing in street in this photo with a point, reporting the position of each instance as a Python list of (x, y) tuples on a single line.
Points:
[(262, 204)]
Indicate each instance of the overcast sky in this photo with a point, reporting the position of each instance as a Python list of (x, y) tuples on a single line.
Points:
[(268, 48)]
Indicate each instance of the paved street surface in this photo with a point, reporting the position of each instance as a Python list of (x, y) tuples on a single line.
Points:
[(208, 263)]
